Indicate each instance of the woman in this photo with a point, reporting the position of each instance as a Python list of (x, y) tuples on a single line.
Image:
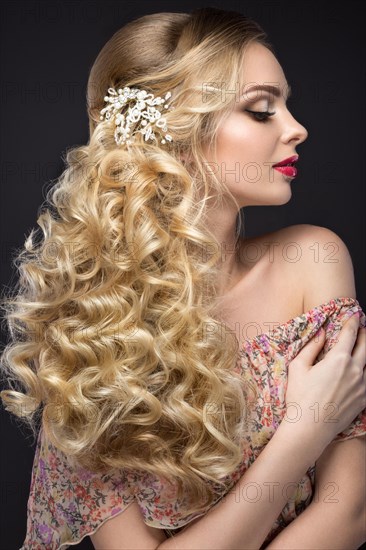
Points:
[(155, 400)]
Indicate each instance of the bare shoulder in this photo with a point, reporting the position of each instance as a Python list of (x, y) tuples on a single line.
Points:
[(326, 264), (313, 258), (294, 245), (305, 234)]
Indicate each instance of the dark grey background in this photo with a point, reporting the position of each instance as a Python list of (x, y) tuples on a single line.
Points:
[(47, 50)]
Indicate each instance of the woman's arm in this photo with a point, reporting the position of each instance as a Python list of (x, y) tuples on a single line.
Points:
[(244, 517), (340, 471), (250, 509), (336, 517)]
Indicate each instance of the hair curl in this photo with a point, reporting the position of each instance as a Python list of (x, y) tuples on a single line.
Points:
[(115, 345)]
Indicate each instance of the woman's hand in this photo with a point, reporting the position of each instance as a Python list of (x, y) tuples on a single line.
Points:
[(327, 396)]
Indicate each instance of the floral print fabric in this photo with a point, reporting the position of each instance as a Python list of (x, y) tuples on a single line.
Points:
[(67, 503)]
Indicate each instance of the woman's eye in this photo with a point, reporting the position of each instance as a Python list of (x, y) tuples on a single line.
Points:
[(261, 116)]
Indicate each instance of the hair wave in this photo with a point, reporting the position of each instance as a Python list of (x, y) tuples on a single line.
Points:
[(114, 342)]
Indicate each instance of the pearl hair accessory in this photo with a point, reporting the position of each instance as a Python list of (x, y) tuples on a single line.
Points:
[(144, 110)]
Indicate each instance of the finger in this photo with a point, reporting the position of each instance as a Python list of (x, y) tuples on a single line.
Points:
[(347, 335), (309, 352), (359, 351)]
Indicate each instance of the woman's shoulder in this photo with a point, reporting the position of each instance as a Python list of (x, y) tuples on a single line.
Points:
[(285, 246), (308, 257), (301, 232), (316, 257), (300, 244)]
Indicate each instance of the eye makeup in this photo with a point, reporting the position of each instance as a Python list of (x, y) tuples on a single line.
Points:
[(260, 116)]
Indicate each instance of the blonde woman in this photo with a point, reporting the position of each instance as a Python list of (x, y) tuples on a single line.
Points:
[(186, 393)]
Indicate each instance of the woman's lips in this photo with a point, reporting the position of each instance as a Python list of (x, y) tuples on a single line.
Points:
[(289, 171)]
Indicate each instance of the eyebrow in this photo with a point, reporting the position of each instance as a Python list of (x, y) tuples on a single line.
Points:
[(275, 90)]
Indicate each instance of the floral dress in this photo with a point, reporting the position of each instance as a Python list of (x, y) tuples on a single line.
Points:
[(67, 503)]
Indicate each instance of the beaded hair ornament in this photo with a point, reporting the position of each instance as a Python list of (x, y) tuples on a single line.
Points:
[(144, 114)]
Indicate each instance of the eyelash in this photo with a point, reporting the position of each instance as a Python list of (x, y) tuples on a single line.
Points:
[(263, 115)]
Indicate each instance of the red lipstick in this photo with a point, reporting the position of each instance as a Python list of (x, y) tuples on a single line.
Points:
[(286, 166)]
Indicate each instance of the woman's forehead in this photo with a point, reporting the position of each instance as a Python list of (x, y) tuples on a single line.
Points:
[(260, 67)]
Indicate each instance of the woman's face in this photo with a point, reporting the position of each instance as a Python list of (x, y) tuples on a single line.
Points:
[(247, 147)]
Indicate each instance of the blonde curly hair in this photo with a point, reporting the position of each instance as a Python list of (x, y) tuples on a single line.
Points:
[(115, 345)]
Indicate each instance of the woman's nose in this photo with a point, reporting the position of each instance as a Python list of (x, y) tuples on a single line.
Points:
[(294, 130)]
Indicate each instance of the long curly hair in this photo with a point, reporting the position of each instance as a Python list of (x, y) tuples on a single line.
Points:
[(116, 344)]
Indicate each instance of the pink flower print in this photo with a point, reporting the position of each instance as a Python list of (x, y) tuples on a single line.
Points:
[(267, 396), (97, 483), (89, 501), (52, 507), (159, 515), (80, 492), (53, 461), (267, 416), (68, 493), (95, 514), (115, 500)]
